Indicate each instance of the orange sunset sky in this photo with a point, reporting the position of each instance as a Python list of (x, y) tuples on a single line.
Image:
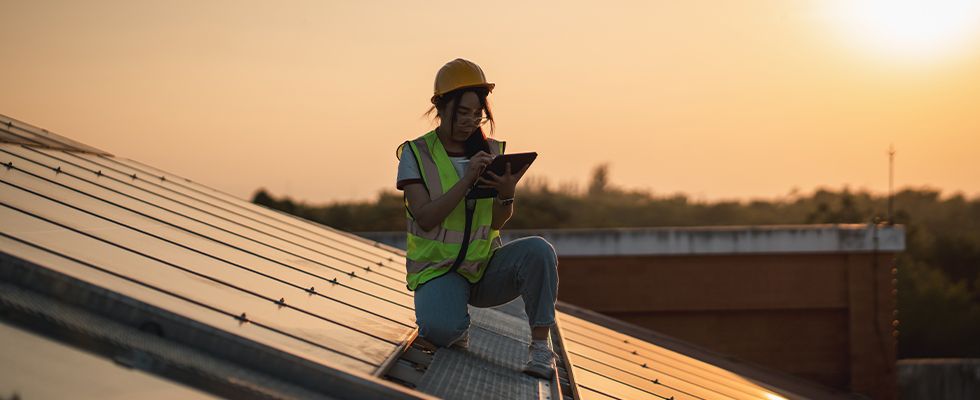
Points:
[(716, 99)]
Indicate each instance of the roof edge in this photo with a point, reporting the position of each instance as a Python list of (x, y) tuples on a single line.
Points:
[(19, 132), (325, 379)]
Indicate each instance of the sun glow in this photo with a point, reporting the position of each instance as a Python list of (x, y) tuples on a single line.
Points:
[(916, 30)]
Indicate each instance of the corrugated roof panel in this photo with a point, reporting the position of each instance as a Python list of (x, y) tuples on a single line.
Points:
[(380, 251), (608, 364), (342, 248), (193, 236), (600, 355), (123, 239), (161, 284), (249, 246)]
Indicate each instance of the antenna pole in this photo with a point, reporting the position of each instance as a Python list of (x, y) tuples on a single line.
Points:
[(891, 181)]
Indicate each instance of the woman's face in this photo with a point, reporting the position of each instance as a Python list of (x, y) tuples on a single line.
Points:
[(467, 117)]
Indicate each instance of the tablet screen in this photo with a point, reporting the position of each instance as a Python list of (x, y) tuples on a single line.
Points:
[(499, 166)]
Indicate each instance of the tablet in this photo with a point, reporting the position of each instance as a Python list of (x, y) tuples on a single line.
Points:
[(499, 166)]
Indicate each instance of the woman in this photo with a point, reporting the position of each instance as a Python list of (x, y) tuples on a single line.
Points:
[(448, 265)]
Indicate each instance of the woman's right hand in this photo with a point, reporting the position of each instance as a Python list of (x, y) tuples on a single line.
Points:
[(478, 162)]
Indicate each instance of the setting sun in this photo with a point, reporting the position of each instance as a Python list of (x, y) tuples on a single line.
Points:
[(918, 30)]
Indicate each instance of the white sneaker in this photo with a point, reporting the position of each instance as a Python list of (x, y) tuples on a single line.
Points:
[(541, 363)]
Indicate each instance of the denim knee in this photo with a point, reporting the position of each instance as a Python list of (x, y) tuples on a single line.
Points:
[(539, 249), (442, 331)]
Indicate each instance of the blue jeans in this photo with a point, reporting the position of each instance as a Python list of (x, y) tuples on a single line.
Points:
[(526, 267)]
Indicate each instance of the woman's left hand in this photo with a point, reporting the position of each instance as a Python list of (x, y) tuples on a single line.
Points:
[(505, 184)]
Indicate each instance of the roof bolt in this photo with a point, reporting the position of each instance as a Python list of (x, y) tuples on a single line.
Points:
[(10, 123), (242, 318), (281, 302), (645, 365), (352, 274), (368, 269), (9, 164), (334, 280), (163, 178), (634, 352), (99, 173), (626, 341), (133, 176), (311, 290), (391, 259), (656, 381), (380, 264), (57, 170)]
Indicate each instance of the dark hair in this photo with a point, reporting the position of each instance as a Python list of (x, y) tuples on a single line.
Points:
[(478, 140)]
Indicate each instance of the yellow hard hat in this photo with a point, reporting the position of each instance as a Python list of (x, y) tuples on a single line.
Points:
[(459, 73)]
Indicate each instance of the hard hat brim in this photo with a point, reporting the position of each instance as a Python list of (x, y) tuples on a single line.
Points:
[(487, 85)]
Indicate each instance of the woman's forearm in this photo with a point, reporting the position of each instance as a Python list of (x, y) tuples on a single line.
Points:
[(435, 211), (501, 214)]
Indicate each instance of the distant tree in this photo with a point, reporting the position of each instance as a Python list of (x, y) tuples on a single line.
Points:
[(262, 197), (600, 180)]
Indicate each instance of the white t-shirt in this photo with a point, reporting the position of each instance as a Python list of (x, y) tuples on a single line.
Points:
[(408, 167)]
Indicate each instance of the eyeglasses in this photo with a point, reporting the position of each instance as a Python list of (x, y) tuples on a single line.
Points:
[(479, 121)]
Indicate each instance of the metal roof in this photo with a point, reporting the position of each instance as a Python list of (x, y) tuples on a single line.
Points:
[(129, 263)]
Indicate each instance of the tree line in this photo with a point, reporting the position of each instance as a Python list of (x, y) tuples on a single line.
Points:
[(938, 274)]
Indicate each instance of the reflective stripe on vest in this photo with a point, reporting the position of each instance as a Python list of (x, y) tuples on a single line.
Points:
[(431, 253)]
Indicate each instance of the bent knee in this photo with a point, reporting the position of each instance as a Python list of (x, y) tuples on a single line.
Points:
[(542, 249)]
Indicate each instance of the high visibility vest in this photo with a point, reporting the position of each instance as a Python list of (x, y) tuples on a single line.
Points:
[(431, 254)]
